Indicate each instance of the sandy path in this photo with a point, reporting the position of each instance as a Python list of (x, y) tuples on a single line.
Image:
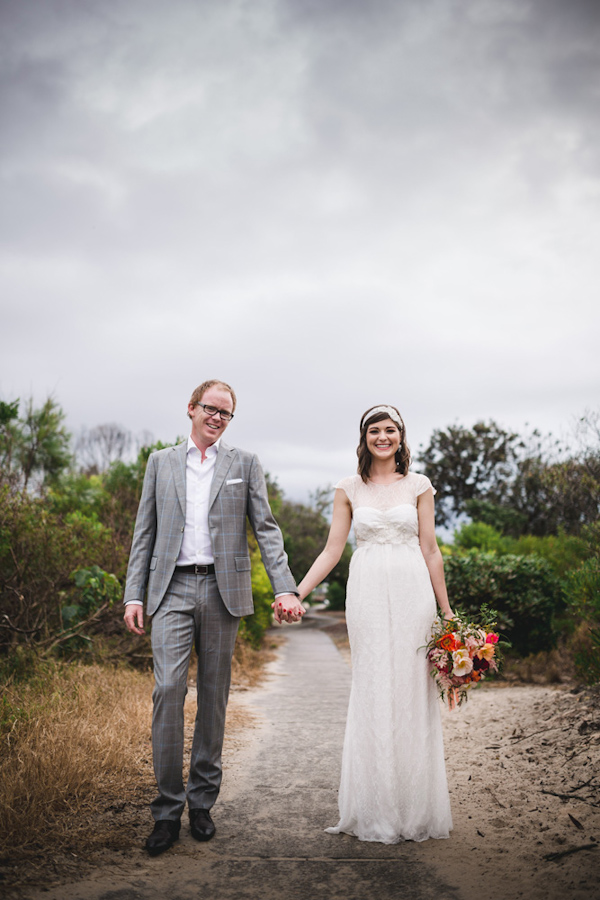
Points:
[(503, 748)]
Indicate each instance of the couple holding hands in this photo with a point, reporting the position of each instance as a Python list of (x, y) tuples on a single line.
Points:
[(190, 558)]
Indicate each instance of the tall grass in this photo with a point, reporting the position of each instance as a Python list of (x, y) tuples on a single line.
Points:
[(75, 746), (71, 737)]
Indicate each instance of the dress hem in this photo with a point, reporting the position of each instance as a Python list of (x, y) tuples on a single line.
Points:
[(336, 829)]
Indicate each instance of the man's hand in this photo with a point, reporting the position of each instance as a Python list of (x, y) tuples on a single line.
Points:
[(287, 608), (134, 618)]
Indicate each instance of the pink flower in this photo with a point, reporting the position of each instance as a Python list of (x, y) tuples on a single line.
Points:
[(491, 638), (472, 644)]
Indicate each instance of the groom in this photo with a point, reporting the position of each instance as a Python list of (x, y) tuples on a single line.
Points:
[(190, 554)]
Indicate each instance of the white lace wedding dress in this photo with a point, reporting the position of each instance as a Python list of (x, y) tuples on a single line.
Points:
[(393, 782)]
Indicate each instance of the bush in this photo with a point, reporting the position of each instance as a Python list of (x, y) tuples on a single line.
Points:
[(524, 591), (252, 628), (38, 551), (563, 551), (480, 536), (95, 591), (336, 594), (582, 589)]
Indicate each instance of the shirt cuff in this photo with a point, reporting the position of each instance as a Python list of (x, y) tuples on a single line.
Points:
[(285, 594), (134, 603)]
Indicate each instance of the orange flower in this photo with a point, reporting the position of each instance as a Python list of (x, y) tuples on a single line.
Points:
[(486, 652), (448, 642)]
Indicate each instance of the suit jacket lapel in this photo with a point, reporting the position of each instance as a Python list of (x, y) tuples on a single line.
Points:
[(224, 460), (178, 460)]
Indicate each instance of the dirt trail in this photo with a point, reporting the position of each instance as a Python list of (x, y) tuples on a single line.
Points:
[(503, 749)]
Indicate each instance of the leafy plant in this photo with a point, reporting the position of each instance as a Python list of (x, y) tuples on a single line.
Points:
[(97, 589), (582, 589), (524, 591), (336, 594), (252, 628)]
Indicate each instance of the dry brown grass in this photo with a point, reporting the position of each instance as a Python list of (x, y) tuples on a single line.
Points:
[(76, 762), (75, 736)]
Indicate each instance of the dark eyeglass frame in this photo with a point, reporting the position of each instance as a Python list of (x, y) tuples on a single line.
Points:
[(212, 411)]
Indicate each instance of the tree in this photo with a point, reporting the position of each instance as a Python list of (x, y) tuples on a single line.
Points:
[(97, 448), (557, 485), (563, 495), (34, 448), (8, 440), (469, 464), (535, 485)]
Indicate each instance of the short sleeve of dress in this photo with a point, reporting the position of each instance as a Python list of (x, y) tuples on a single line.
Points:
[(348, 485), (424, 484)]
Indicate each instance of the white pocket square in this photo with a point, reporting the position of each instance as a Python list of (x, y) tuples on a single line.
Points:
[(235, 481)]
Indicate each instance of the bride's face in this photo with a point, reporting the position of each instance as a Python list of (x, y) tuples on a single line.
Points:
[(383, 439)]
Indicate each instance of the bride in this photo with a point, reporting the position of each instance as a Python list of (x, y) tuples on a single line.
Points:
[(393, 782)]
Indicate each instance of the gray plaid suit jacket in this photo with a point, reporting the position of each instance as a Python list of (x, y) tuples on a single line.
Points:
[(238, 491)]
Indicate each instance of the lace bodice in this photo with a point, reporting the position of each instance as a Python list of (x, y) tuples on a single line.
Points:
[(385, 513)]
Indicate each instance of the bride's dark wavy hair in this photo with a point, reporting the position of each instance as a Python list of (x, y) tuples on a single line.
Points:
[(363, 453)]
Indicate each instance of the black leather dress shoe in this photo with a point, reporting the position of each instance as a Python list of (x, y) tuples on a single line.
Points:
[(201, 824), (166, 832)]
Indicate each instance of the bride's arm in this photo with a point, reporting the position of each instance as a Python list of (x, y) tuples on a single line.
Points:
[(336, 541), (431, 551)]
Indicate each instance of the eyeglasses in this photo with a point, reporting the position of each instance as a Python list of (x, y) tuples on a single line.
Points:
[(212, 411)]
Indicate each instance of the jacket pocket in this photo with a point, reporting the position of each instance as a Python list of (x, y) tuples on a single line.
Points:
[(153, 563), (242, 563)]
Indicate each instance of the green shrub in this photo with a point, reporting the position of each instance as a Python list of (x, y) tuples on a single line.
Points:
[(523, 590), (252, 628), (95, 591), (480, 536), (563, 551), (336, 594), (38, 551), (582, 590)]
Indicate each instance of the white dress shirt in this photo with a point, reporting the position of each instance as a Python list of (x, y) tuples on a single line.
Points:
[(196, 547)]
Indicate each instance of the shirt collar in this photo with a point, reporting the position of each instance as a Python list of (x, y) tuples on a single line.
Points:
[(210, 451)]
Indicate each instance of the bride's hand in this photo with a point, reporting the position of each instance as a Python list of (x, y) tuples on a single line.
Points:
[(291, 612)]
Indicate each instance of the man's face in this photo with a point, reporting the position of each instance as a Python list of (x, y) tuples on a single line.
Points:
[(206, 429)]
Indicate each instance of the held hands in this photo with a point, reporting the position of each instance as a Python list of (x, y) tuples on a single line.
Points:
[(287, 608)]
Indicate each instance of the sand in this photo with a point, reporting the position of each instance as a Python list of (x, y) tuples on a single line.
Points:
[(523, 771)]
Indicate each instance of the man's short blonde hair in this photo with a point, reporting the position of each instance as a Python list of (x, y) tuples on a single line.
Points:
[(214, 382)]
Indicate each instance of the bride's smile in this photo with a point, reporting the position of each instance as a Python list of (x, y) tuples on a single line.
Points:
[(383, 439)]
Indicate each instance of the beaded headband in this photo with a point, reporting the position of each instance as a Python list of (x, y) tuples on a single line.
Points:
[(393, 415)]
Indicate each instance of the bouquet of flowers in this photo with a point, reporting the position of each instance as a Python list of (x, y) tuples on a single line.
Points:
[(461, 654)]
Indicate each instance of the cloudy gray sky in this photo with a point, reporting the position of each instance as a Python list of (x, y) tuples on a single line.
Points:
[(327, 203)]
